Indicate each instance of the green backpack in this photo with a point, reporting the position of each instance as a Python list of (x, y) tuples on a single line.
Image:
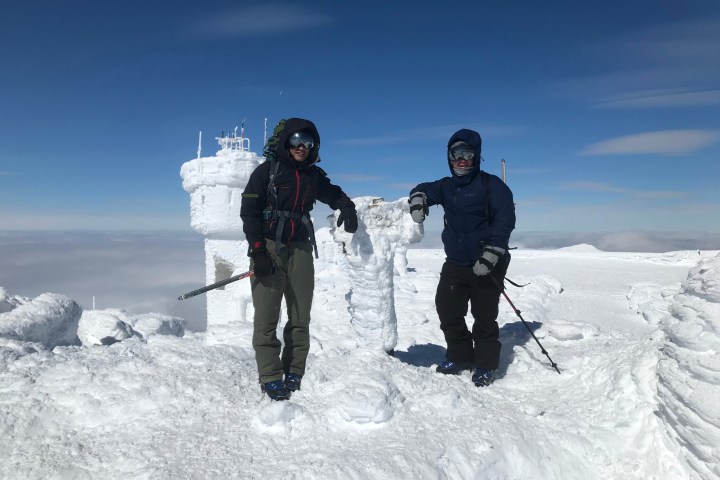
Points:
[(270, 154)]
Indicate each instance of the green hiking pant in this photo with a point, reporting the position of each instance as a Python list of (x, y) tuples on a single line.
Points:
[(294, 279)]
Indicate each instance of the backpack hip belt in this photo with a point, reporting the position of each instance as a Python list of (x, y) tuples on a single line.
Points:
[(283, 215)]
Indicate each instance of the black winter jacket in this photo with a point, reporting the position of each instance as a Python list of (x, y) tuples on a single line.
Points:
[(298, 186), (469, 221)]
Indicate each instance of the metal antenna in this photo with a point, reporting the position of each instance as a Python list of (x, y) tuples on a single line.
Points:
[(265, 133), (502, 167), (200, 144)]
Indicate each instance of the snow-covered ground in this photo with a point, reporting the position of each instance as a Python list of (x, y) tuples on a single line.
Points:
[(636, 337)]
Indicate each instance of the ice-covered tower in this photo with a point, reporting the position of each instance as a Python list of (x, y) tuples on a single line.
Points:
[(215, 185)]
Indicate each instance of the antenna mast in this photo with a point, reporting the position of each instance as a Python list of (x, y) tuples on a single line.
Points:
[(200, 144), (265, 133), (502, 167)]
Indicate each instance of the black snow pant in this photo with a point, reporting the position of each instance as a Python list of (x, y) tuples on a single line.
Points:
[(457, 286)]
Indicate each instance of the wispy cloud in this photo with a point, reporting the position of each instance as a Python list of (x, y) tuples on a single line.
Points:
[(664, 142), (661, 98), (660, 194), (600, 187), (260, 20), (528, 171), (668, 65), (440, 132), (591, 187)]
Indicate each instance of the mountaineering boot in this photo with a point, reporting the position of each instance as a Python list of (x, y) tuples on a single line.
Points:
[(482, 377), (453, 368), (292, 381), (276, 390)]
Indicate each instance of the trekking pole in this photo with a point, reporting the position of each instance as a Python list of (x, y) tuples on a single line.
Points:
[(249, 273), (517, 312)]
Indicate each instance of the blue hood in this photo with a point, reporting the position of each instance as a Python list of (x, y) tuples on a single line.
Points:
[(472, 138)]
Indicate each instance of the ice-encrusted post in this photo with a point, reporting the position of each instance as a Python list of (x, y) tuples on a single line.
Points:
[(385, 229)]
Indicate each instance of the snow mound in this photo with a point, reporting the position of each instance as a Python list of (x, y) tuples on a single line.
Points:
[(105, 327), (366, 404), (158, 324), (11, 349), (651, 300), (278, 417), (580, 248), (50, 319), (704, 280)]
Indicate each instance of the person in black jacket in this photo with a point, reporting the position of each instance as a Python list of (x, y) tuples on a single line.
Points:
[(479, 216), (281, 238)]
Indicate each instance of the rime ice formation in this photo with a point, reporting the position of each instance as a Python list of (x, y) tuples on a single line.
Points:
[(374, 253), (215, 185), (50, 319), (689, 369)]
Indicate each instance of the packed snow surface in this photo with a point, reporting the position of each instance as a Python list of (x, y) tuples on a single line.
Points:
[(636, 337)]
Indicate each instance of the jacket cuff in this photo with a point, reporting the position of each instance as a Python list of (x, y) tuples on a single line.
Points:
[(344, 202), (256, 248)]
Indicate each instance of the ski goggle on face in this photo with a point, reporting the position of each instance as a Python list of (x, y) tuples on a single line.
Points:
[(301, 138), (461, 152)]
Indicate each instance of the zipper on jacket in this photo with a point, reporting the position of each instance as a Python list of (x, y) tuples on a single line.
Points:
[(460, 230)]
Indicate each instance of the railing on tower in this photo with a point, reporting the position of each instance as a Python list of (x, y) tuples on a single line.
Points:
[(234, 142)]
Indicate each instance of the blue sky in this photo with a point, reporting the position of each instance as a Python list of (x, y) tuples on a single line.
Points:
[(607, 113)]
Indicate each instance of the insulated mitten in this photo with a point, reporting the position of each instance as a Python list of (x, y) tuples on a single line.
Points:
[(348, 215), (488, 260), (418, 206)]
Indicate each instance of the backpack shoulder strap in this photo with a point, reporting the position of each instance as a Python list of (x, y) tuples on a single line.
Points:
[(272, 173), (270, 153)]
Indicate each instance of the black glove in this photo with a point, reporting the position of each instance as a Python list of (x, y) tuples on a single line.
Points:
[(263, 265), (348, 215), (489, 259)]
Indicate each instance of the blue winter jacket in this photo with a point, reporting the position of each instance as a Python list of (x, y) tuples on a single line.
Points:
[(465, 201)]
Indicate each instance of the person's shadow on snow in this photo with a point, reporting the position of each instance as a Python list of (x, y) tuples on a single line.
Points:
[(511, 335), (425, 355)]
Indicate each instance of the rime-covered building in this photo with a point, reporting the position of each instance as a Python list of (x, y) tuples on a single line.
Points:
[(215, 185)]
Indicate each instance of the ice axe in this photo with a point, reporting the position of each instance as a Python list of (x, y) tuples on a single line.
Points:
[(215, 285)]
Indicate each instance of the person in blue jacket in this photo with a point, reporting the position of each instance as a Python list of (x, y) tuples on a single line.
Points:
[(479, 217)]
